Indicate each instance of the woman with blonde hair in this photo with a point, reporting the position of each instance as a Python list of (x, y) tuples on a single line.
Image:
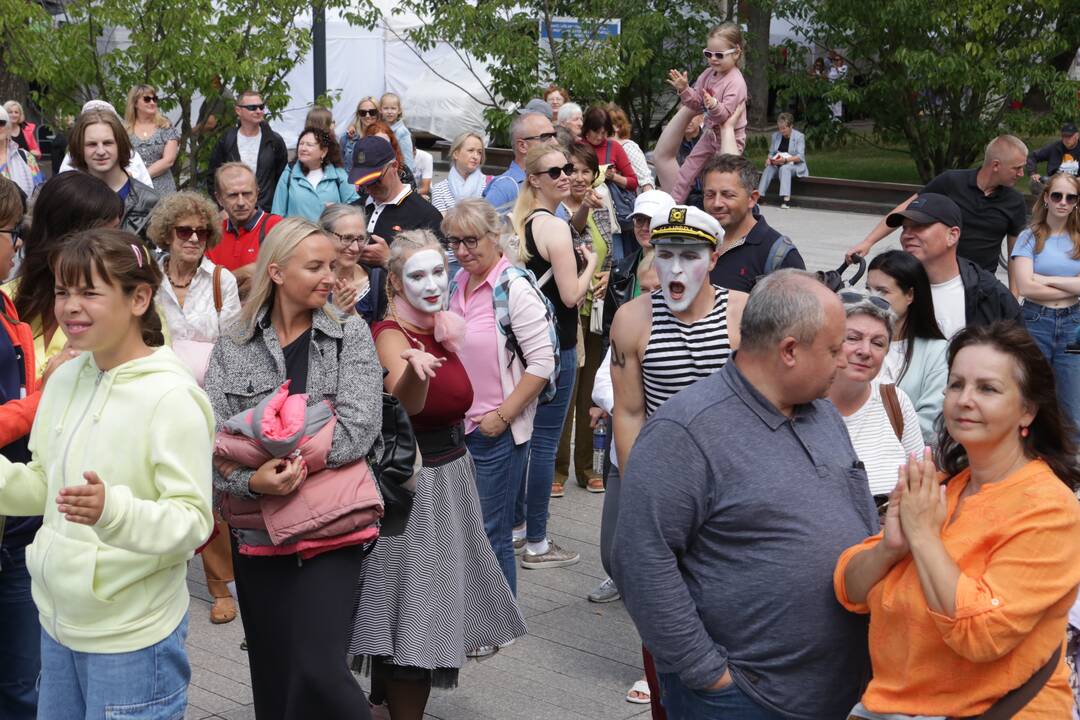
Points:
[(564, 274), (367, 112), (1045, 268), (22, 130), (153, 137), (465, 179), (434, 594), (296, 602)]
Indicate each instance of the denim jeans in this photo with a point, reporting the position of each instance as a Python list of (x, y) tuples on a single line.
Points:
[(729, 703), (20, 638), (147, 684), (1053, 329), (500, 471), (535, 493)]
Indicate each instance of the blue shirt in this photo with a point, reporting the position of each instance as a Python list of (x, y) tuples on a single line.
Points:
[(296, 196), (502, 192), (1056, 258)]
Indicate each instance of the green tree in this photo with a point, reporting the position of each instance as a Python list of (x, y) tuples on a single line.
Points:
[(943, 77), (101, 48)]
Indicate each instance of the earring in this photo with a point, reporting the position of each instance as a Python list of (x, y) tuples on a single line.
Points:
[(1024, 432)]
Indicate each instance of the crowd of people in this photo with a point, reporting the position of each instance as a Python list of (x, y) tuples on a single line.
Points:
[(355, 393)]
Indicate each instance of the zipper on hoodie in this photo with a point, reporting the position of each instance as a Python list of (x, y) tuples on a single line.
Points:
[(63, 475)]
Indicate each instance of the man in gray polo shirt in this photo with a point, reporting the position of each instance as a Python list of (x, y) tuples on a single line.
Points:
[(739, 495)]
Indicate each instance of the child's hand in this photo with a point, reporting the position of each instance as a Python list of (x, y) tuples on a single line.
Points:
[(83, 504), (678, 80), (709, 101)]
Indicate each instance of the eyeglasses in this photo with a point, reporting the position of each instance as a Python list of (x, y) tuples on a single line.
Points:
[(555, 172), (367, 113), (642, 220), (1070, 198), (544, 137), (347, 240), (469, 242), (850, 298), (150, 98), (252, 107), (14, 232), (3, 123), (184, 232), (718, 54)]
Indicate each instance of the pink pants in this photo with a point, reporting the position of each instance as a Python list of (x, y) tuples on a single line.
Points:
[(707, 146)]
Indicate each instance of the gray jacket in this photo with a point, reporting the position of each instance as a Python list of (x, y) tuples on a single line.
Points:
[(343, 369), (796, 146), (138, 205)]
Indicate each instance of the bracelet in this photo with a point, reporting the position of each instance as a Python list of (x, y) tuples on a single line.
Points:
[(502, 417)]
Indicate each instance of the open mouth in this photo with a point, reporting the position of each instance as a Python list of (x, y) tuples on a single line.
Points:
[(676, 289), (74, 329)]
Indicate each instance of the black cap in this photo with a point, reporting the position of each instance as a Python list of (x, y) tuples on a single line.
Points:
[(1069, 128), (370, 156), (928, 208)]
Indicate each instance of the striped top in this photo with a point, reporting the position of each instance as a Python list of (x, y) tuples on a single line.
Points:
[(679, 354), (875, 441)]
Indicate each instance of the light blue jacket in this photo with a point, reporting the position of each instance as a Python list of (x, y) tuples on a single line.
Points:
[(404, 141), (296, 196), (924, 383), (796, 146)]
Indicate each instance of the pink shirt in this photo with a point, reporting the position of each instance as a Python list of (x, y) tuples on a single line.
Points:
[(729, 90), (480, 353)]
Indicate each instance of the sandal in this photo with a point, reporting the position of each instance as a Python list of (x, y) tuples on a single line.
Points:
[(595, 485), (558, 490), (644, 697), (223, 610)]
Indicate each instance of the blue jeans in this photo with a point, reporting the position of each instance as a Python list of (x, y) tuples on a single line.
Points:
[(20, 638), (147, 684), (500, 471), (730, 703), (535, 493), (1053, 329)]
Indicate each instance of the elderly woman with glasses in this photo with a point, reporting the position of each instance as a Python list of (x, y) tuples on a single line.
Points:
[(880, 419), (359, 289)]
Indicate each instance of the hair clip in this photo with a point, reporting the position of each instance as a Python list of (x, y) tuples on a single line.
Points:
[(138, 254)]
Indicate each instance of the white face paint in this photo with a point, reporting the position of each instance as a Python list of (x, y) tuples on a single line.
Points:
[(425, 280), (683, 270)]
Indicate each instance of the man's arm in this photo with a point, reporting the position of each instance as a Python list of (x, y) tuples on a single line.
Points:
[(880, 231), (628, 336), (1033, 160)]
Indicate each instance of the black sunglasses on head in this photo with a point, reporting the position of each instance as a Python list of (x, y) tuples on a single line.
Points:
[(150, 98), (555, 172), (252, 107), (849, 298)]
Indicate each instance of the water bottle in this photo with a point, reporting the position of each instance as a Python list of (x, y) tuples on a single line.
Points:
[(599, 447)]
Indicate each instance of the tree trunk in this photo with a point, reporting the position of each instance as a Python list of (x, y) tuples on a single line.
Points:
[(14, 88), (758, 16)]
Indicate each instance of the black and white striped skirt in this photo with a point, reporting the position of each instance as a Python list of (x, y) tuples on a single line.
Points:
[(435, 591)]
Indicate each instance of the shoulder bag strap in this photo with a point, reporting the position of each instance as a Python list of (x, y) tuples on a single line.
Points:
[(780, 248), (262, 227), (1015, 700), (893, 409), (218, 301)]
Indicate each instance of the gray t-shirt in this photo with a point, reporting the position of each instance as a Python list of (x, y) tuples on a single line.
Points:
[(731, 520), (248, 147)]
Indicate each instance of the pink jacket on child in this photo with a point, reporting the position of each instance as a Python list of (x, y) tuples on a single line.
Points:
[(729, 89)]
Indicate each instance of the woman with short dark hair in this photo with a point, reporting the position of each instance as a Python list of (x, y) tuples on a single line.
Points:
[(315, 179)]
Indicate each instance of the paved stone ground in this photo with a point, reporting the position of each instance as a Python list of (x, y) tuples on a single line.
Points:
[(579, 658)]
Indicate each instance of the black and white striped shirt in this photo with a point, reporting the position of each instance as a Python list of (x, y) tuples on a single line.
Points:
[(679, 354)]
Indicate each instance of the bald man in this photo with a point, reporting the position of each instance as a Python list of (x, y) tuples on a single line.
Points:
[(991, 208)]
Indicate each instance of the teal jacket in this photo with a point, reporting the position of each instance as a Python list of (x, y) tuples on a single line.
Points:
[(924, 383), (295, 195)]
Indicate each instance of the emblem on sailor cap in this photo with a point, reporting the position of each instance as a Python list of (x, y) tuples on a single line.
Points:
[(677, 215)]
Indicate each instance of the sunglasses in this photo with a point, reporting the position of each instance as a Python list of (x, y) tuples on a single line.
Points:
[(252, 107), (15, 234), (850, 298), (184, 232), (456, 242), (367, 113), (555, 172), (545, 137), (1070, 198), (150, 98), (718, 54), (3, 123), (347, 240)]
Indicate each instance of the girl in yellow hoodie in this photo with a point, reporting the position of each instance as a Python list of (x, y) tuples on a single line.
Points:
[(120, 469)]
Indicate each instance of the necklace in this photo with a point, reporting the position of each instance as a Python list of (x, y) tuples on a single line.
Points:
[(176, 284)]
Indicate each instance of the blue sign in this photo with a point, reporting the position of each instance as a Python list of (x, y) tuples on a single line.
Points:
[(568, 28)]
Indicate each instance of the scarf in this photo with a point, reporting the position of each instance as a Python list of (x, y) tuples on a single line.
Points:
[(448, 327), (461, 187)]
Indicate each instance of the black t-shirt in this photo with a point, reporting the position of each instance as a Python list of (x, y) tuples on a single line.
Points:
[(411, 213), (987, 218), (566, 318), (740, 267), (785, 143), (297, 355)]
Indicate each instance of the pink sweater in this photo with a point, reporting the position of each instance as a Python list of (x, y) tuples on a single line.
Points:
[(729, 89)]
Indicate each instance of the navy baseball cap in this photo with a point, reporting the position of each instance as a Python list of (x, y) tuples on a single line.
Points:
[(928, 208), (370, 156), (1069, 128)]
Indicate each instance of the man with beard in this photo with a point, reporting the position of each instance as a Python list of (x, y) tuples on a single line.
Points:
[(738, 494)]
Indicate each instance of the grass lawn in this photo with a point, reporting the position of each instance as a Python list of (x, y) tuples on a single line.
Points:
[(860, 161)]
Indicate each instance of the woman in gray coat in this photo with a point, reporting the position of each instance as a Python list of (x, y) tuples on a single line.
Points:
[(787, 158)]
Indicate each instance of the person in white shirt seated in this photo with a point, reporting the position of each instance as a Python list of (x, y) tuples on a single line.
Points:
[(880, 419)]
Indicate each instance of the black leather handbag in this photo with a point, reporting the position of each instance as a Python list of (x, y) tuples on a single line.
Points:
[(396, 468)]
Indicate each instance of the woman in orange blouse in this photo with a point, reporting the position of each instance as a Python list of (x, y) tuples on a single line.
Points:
[(969, 585)]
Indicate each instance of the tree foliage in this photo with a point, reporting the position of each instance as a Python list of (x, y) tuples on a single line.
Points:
[(101, 48), (944, 77)]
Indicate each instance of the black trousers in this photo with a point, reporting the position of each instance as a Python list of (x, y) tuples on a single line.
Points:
[(297, 618)]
